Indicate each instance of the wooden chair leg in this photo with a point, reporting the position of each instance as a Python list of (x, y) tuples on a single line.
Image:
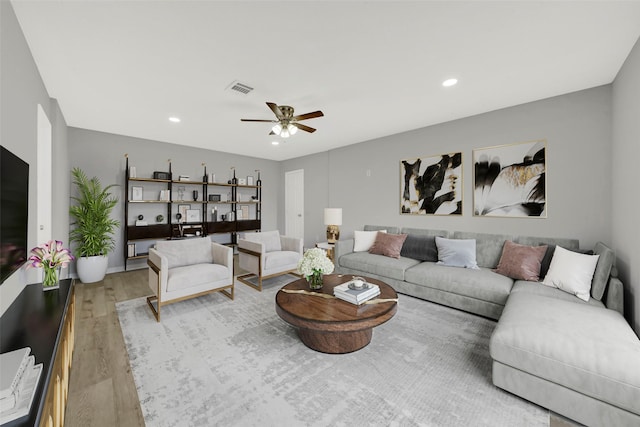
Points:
[(243, 278), (156, 314)]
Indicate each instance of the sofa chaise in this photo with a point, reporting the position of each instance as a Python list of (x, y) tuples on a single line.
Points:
[(578, 358)]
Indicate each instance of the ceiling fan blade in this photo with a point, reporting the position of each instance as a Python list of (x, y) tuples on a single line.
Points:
[(258, 120), (276, 110), (304, 127), (308, 116)]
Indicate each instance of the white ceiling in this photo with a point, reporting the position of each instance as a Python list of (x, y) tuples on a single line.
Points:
[(374, 68)]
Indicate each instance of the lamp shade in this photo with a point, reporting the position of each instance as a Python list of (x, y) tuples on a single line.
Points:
[(332, 216)]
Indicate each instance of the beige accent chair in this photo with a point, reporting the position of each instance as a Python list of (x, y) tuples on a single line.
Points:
[(189, 268), (267, 254)]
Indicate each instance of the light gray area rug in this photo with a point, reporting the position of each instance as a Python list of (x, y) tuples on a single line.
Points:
[(217, 362)]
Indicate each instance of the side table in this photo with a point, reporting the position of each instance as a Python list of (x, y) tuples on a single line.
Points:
[(328, 247)]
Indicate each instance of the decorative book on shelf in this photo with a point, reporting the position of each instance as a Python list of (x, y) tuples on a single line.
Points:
[(18, 383), (12, 364), (356, 291)]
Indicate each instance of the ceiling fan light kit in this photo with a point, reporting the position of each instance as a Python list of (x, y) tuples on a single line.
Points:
[(286, 124)]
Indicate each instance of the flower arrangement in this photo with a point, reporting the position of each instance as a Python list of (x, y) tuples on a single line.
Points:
[(313, 265), (50, 256)]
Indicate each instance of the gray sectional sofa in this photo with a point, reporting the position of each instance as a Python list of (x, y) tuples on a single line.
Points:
[(579, 359)]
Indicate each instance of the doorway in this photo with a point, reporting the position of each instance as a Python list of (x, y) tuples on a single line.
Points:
[(294, 203), (44, 177)]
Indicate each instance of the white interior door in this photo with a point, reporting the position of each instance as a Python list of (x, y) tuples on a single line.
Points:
[(294, 203), (44, 177)]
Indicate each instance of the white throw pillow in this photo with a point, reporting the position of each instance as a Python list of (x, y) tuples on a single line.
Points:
[(571, 272), (363, 240)]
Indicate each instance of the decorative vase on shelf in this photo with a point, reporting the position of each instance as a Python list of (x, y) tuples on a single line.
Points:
[(50, 278), (315, 281)]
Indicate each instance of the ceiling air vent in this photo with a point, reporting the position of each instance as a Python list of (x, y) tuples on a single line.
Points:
[(240, 87)]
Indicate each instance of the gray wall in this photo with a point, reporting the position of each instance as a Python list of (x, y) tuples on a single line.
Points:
[(102, 155), (625, 201), (21, 90), (578, 132)]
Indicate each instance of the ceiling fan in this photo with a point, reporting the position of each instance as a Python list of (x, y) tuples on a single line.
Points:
[(286, 123)]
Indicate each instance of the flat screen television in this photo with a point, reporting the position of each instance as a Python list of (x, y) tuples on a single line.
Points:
[(14, 212)]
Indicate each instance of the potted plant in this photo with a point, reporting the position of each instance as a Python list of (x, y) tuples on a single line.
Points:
[(93, 226)]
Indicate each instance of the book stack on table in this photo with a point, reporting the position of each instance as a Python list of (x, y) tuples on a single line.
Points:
[(356, 291), (18, 383)]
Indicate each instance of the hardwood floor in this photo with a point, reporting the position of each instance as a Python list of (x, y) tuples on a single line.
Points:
[(101, 390)]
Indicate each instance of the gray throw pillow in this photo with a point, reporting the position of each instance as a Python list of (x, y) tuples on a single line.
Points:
[(603, 269), (422, 248), (457, 252)]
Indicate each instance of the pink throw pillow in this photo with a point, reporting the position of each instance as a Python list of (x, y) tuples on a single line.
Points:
[(388, 244), (521, 262)]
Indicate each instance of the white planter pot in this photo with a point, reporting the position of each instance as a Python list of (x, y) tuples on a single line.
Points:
[(92, 269)]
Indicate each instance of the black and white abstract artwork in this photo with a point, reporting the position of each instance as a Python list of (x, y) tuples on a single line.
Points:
[(431, 185), (510, 180)]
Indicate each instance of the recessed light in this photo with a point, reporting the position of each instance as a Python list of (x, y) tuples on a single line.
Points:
[(275, 143), (174, 119), (449, 82)]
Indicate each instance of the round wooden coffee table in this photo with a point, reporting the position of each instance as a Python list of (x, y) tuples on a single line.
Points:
[(330, 325)]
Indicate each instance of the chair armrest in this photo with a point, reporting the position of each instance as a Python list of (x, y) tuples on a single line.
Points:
[(249, 247), (222, 255), (160, 266), (293, 244), (615, 295), (342, 247), (157, 261)]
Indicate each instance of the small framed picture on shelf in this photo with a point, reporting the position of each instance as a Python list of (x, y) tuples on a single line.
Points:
[(136, 193), (249, 180), (193, 215), (182, 210), (242, 181), (245, 211)]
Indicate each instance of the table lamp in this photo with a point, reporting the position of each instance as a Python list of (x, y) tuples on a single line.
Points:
[(333, 219)]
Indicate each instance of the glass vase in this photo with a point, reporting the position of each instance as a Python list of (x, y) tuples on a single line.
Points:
[(51, 278), (315, 281)]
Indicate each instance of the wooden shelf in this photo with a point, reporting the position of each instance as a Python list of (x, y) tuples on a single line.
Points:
[(135, 233), (164, 181)]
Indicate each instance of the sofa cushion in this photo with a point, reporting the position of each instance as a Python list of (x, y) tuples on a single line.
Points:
[(482, 284), (521, 262), (488, 246), (551, 242), (280, 259), (179, 253), (363, 240), (538, 288), (270, 239), (422, 248), (588, 349), (380, 265), (571, 272), (457, 252), (387, 229), (388, 244), (195, 275), (424, 232), (603, 269)]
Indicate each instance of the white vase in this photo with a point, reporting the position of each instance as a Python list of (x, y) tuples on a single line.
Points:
[(92, 269)]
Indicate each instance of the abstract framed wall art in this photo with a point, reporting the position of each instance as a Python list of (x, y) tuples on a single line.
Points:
[(510, 180), (431, 185)]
